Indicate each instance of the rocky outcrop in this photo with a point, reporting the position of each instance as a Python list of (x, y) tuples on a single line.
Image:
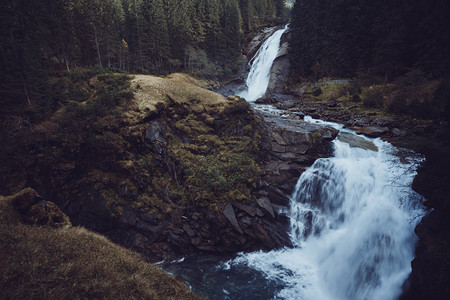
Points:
[(290, 147), (174, 171), (259, 222)]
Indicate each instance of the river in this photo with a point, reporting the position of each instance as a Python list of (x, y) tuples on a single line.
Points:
[(352, 225)]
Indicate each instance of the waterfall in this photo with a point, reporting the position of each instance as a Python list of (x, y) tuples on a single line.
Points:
[(352, 220), (352, 224), (258, 78)]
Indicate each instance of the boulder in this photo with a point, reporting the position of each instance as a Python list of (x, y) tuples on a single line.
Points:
[(357, 141), (371, 131)]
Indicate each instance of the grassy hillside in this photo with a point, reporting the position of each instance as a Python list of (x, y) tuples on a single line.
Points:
[(40, 262)]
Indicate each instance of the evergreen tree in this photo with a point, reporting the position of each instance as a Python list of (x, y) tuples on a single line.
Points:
[(155, 35)]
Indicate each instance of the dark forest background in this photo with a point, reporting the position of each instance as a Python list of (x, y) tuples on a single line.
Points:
[(344, 38), (396, 51), (41, 39)]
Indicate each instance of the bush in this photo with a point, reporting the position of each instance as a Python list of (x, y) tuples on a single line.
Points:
[(372, 97)]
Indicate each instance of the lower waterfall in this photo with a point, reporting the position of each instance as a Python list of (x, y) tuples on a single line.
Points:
[(352, 224)]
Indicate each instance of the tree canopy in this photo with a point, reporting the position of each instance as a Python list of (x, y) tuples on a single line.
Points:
[(41, 38), (387, 38)]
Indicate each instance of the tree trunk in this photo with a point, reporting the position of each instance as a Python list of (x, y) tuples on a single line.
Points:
[(139, 38), (22, 77), (97, 46)]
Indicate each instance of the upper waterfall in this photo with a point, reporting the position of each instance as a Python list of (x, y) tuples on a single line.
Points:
[(258, 78)]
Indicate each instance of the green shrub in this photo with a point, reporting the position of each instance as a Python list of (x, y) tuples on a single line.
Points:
[(372, 97)]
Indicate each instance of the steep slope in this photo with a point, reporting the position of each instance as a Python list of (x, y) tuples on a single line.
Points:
[(66, 262), (164, 166)]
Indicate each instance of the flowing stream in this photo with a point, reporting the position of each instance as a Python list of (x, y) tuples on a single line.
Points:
[(352, 226)]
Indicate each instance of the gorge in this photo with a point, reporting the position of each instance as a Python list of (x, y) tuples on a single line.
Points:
[(352, 220)]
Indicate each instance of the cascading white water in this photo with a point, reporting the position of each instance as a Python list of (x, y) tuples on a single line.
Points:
[(258, 78), (352, 221), (352, 224)]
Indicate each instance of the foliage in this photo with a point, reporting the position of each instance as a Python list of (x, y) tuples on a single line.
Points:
[(223, 170), (341, 38), (98, 148), (71, 140), (412, 94)]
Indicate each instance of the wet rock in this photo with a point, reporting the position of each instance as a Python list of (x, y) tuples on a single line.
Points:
[(256, 43), (278, 197), (371, 131), (259, 231), (280, 67), (329, 134), (356, 141), (397, 132), (279, 73)]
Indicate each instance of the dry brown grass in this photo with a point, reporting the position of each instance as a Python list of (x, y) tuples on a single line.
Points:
[(72, 262), (153, 93)]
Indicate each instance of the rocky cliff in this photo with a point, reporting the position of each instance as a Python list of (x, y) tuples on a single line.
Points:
[(174, 170)]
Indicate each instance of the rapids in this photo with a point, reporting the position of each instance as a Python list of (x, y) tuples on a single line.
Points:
[(352, 220)]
